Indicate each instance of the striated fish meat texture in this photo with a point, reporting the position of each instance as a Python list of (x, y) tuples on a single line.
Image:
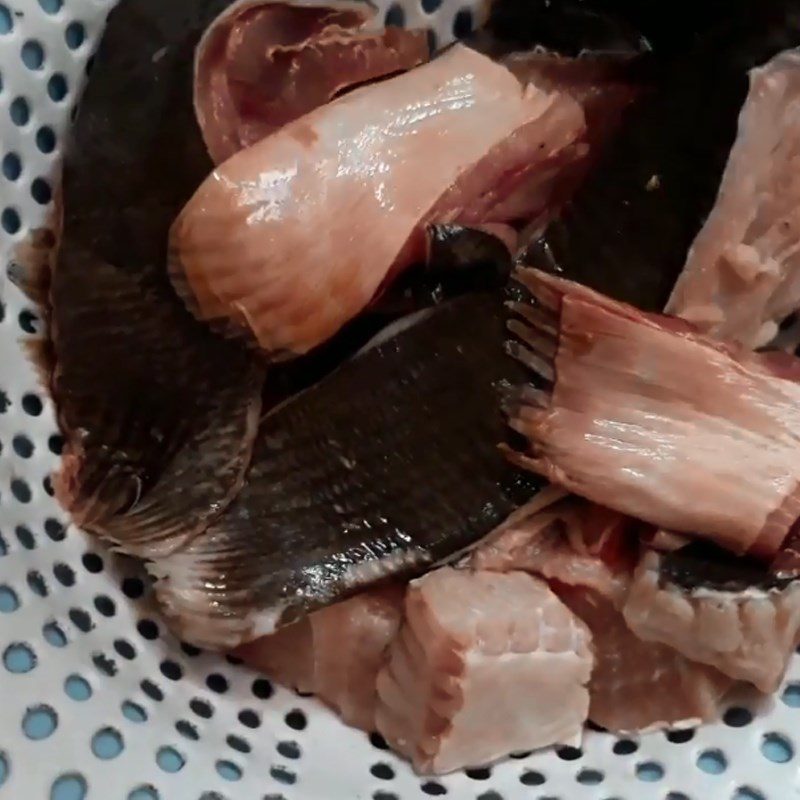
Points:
[(336, 652), (640, 413), (485, 664), (587, 554), (263, 63), (294, 236), (719, 610), (385, 468), (628, 230), (742, 275), (158, 414)]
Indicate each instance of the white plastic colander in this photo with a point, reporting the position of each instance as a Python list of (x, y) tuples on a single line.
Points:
[(98, 700)]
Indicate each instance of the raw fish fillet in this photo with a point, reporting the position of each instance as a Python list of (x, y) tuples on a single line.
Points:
[(742, 276), (628, 230), (640, 685), (717, 610), (639, 413), (485, 664), (587, 553), (158, 414), (335, 652), (264, 63), (291, 238), (384, 468)]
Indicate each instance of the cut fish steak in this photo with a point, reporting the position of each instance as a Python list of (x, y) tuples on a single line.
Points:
[(294, 236), (587, 553), (386, 467), (639, 413), (742, 276), (264, 63), (335, 652), (484, 665), (734, 616)]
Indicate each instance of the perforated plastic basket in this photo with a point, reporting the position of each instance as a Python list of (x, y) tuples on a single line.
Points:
[(98, 700)]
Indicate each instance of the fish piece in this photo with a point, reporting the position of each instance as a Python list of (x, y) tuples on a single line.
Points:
[(573, 542), (158, 414), (263, 63), (639, 685), (485, 664), (335, 652), (587, 554), (637, 412), (386, 467), (742, 276), (291, 238), (628, 230), (717, 610), (577, 26)]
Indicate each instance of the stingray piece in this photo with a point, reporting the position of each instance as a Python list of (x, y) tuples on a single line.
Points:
[(639, 412), (629, 228), (742, 276), (384, 468), (263, 63), (158, 414), (728, 612)]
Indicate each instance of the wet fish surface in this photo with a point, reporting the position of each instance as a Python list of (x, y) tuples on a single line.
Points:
[(628, 230), (158, 414), (386, 467)]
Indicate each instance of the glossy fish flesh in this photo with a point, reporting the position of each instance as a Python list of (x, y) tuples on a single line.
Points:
[(158, 414), (336, 652), (638, 412), (718, 610), (629, 228), (385, 468), (742, 276), (264, 63), (293, 237), (485, 664)]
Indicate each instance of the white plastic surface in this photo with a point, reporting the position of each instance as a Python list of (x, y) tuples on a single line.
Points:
[(219, 731)]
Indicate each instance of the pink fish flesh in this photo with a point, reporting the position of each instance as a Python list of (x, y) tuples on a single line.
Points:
[(264, 63), (742, 275), (659, 423), (484, 665)]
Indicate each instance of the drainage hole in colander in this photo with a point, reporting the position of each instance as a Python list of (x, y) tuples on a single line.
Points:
[(54, 635), (36, 583), (22, 445), (170, 760), (283, 775), (589, 777), (532, 778), (200, 707), (243, 746), (649, 771), (680, 737), (125, 649), (133, 712), (39, 722), (737, 717), (9, 601), (54, 530), (148, 792), (69, 787), (712, 762), (19, 658), (187, 730), (151, 690), (77, 688), (289, 750), (92, 563), (104, 665), (64, 574), (776, 748), (228, 771), (107, 743)]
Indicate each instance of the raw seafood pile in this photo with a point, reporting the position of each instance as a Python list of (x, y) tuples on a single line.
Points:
[(313, 362)]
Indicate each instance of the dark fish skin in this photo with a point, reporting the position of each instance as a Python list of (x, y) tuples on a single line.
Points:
[(702, 565), (385, 468), (159, 415), (572, 27), (628, 229)]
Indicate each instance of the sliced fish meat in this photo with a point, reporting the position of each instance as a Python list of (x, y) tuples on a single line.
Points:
[(587, 554), (336, 652), (485, 664), (742, 275), (158, 415), (384, 468), (717, 610), (637, 412), (639, 685), (294, 236), (628, 230), (263, 63)]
